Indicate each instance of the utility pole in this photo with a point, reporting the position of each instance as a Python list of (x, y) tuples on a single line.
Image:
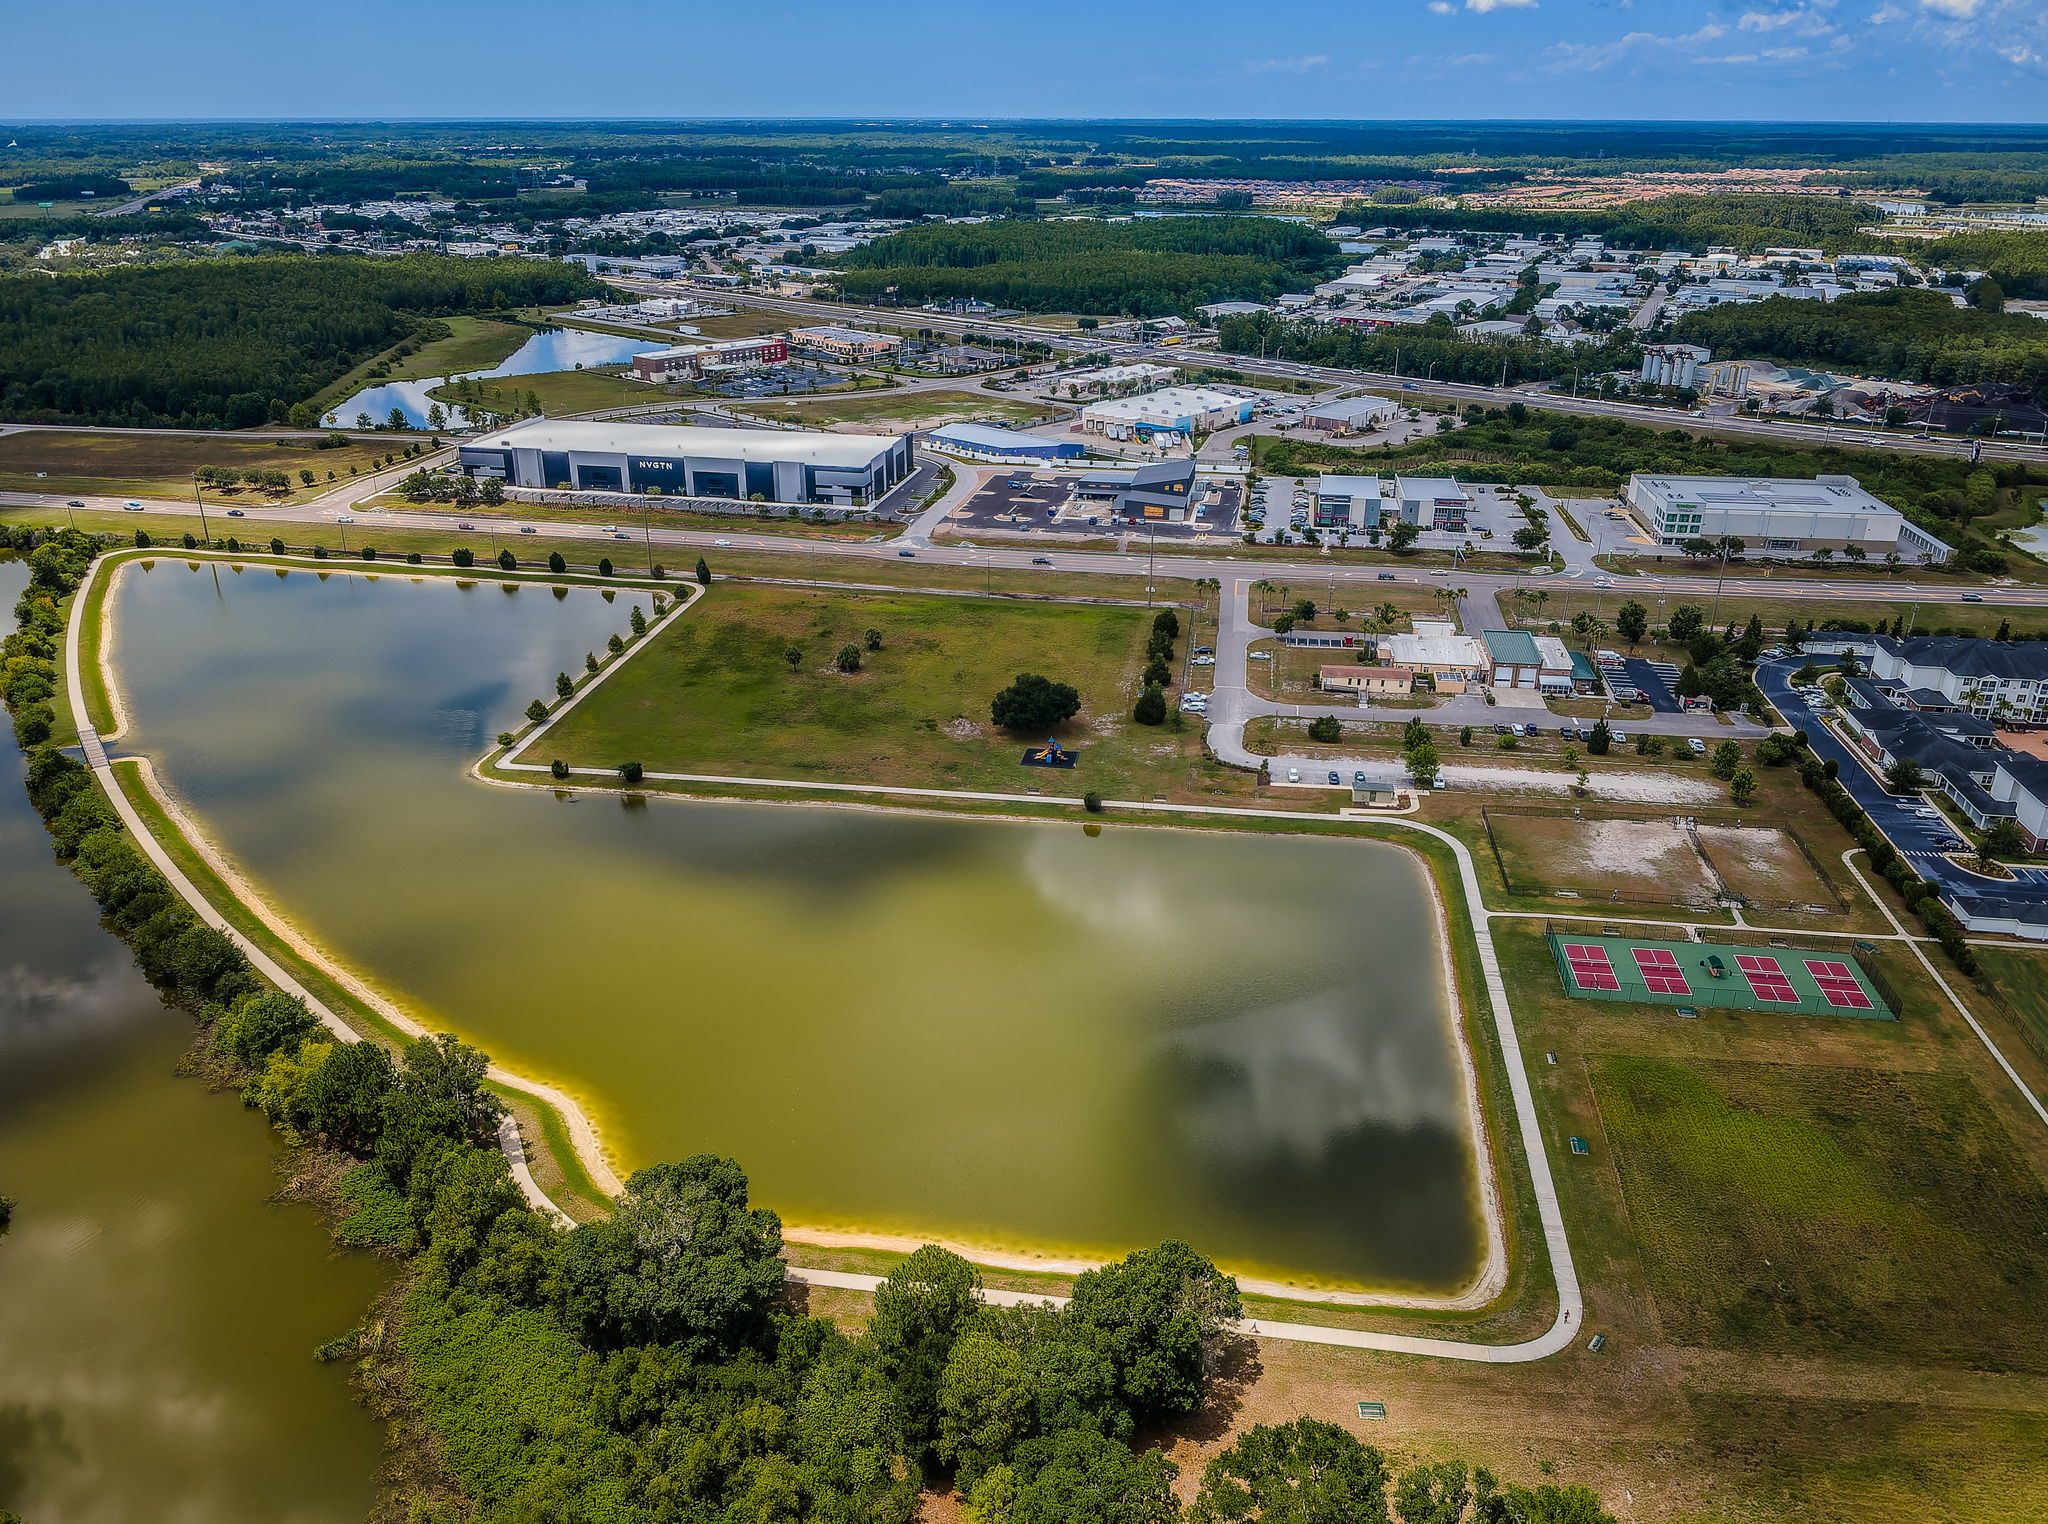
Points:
[(198, 497)]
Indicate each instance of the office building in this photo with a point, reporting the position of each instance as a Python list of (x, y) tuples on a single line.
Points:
[(693, 362), (1164, 491), (851, 345), (1352, 415), (1778, 516), (981, 441), (771, 466)]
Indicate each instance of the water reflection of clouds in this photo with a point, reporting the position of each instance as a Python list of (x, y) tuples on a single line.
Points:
[(1292, 1079), (42, 1012)]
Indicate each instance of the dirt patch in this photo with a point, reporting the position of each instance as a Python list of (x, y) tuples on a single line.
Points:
[(961, 729), (1639, 785), (1763, 864), (1592, 856), (1649, 849)]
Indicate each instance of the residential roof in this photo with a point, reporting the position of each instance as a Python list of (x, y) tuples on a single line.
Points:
[(847, 451), (1514, 646), (1971, 656), (1352, 672)]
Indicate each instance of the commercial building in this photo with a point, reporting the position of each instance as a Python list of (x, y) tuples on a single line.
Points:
[(1521, 660), (1183, 410), (1367, 682), (1113, 380), (693, 362), (1780, 516), (1673, 364), (1353, 415), (772, 466), (1164, 491), (1350, 502), (1453, 662), (1432, 501), (981, 441), (836, 342)]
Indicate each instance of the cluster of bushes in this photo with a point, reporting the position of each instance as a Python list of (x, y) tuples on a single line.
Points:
[(57, 561), (1919, 895), (452, 487)]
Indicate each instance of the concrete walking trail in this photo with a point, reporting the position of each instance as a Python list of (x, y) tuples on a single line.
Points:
[(1571, 1307)]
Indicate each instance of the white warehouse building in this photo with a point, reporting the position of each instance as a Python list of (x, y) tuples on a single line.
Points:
[(1778, 516), (1177, 410), (772, 466)]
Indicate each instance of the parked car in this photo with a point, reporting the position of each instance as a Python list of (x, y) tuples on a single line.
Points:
[(1336, 778), (1568, 732), (1619, 737), (1294, 775), (1503, 730), (1529, 729), (1258, 655), (1205, 650), (1203, 661), (1696, 746), (1359, 779)]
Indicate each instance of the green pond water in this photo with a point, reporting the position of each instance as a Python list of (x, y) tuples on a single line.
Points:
[(157, 1319), (1007, 1035)]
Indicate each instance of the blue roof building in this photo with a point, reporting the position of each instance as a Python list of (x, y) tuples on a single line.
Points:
[(988, 442)]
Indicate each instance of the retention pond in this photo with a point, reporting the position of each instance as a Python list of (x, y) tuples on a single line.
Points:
[(1021, 1037)]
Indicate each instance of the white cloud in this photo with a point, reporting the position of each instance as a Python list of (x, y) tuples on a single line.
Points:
[(1483, 6), (1305, 64), (1960, 10), (1442, 8), (1766, 21)]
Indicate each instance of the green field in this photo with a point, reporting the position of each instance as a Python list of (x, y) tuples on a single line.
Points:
[(473, 344), (161, 465), (713, 694), (563, 392), (906, 409)]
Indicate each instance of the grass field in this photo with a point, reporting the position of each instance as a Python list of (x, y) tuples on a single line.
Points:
[(905, 409), (161, 465), (562, 392), (712, 694), (746, 323), (1975, 618)]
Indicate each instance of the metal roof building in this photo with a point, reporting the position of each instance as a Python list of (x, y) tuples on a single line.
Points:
[(987, 441), (767, 465)]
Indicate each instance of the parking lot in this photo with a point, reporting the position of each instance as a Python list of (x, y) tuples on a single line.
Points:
[(1043, 501)]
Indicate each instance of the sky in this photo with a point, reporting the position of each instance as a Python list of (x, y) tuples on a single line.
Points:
[(1668, 60)]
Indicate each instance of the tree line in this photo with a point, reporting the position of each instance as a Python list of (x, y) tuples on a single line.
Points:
[(1751, 223), (1144, 269), (1912, 335), (226, 344), (1434, 348)]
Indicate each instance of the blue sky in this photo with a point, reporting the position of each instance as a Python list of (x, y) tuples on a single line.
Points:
[(1805, 60)]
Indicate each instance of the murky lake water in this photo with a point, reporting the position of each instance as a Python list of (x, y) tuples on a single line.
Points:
[(551, 350), (1012, 1035)]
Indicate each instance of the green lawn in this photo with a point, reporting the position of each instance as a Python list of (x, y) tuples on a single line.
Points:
[(161, 465), (474, 343), (712, 694), (562, 392), (908, 409)]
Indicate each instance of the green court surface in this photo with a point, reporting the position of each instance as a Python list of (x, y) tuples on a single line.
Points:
[(1795, 980)]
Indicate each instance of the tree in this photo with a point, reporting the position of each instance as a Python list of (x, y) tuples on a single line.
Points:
[(1904, 776), (536, 711), (257, 1026), (1726, 758), (794, 656), (1304, 1472), (1687, 620), (848, 659), (558, 769), (1464, 735), (1632, 622), (1166, 621), (872, 640), (703, 572), (342, 1100), (1092, 802), (1160, 1315), (461, 557), (1325, 727), (636, 621), (1530, 537), (2004, 838), (1034, 702), (1076, 1476), (1742, 785), (1588, 628), (1599, 739), (1413, 734), (564, 684), (1151, 706), (1986, 295), (604, 566), (919, 1311), (630, 771), (684, 1260), (1807, 675), (1402, 537), (556, 563), (507, 561), (1423, 762), (615, 645)]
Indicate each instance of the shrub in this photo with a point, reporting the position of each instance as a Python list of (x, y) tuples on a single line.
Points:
[(1151, 706)]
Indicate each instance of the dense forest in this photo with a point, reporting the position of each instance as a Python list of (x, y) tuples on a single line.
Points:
[(1141, 268), (1943, 494), (1692, 223), (1903, 334), (213, 344), (1433, 349), (2017, 261)]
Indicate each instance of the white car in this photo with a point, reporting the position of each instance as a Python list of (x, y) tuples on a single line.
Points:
[(1294, 775), (721, 542), (1204, 661), (342, 518), (1619, 737), (1258, 656)]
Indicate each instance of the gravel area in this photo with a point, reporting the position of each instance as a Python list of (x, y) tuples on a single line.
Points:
[(1638, 785)]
